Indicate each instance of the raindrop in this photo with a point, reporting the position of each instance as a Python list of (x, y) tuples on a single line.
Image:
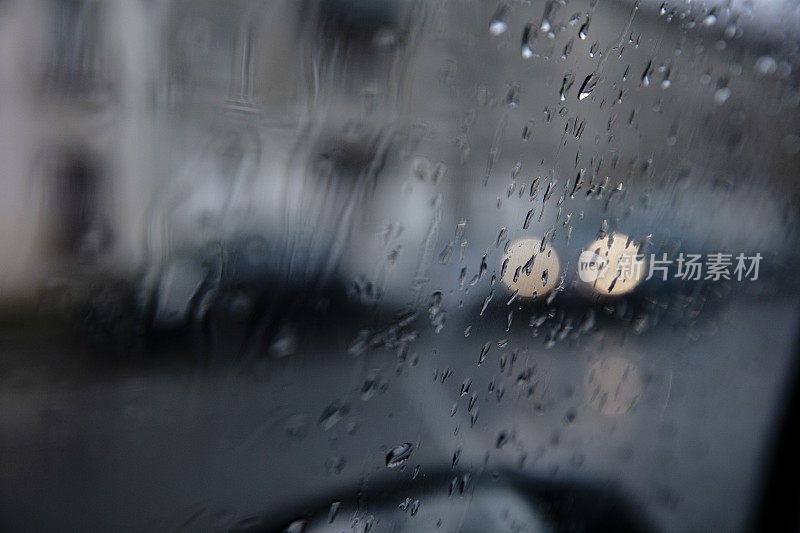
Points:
[(567, 49), (484, 351), (512, 96), (527, 131), (360, 344), (473, 399), (766, 65), (646, 74), (458, 484), (333, 414), (513, 297), (516, 169), (404, 506), (456, 457), (566, 83), (527, 36), (372, 385), (399, 455), (445, 374), (285, 344), (444, 257), (486, 302), (500, 237), (583, 33), (527, 223), (415, 507), (502, 438), (587, 86), (498, 26), (721, 95), (332, 512)]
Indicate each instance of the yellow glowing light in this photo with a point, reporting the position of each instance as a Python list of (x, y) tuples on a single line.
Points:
[(613, 386), (611, 266), (530, 271)]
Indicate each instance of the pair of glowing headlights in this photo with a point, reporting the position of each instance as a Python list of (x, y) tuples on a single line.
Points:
[(610, 266)]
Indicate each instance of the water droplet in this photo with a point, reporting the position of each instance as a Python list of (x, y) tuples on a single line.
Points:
[(399, 455), (567, 49), (512, 96), (526, 224), (527, 131), (333, 511), (486, 302), (456, 457), (415, 507), (710, 20), (721, 95), (513, 297), (502, 438), (500, 237), (373, 384), (566, 83), (285, 344), (360, 344), (583, 33), (587, 87), (646, 74), (498, 25), (766, 65), (444, 257), (484, 351), (446, 374), (472, 401), (527, 36), (333, 414)]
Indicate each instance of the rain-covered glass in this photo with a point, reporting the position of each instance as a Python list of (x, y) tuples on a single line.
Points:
[(398, 265)]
